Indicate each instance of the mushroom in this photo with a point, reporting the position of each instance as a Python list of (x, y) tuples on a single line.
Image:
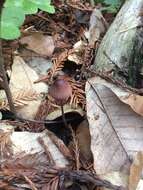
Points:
[(61, 91)]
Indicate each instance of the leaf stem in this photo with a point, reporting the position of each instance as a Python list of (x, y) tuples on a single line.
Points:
[(5, 82), (63, 116)]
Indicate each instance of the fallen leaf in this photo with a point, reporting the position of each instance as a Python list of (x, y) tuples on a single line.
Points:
[(39, 43), (135, 101), (67, 109), (24, 75), (118, 178), (79, 48), (136, 171), (84, 141), (27, 143), (22, 79), (98, 26), (75, 58), (116, 130)]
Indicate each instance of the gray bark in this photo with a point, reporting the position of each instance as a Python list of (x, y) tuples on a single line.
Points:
[(121, 50)]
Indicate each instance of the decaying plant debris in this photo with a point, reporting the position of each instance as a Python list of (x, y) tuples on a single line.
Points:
[(90, 151), (19, 171)]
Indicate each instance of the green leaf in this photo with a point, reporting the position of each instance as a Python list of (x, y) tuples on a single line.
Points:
[(41, 2), (13, 3), (44, 5), (110, 9), (11, 19), (9, 31), (13, 14), (113, 3), (47, 8), (29, 7)]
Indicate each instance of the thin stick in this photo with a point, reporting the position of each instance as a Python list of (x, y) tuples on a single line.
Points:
[(5, 82), (63, 116)]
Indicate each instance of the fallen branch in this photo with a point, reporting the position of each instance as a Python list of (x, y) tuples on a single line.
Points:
[(87, 177)]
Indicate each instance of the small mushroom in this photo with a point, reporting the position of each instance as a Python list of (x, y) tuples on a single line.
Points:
[(61, 91)]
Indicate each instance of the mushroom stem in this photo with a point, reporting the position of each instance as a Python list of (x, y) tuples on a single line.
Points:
[(63, 116)]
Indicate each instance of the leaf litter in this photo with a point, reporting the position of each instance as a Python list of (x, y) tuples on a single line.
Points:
[(104, 133)]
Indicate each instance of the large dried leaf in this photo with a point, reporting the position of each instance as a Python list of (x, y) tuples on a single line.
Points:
[(23, 76), (39, 43), (28, 143), (135, 101), (22, 80), (116, 131)]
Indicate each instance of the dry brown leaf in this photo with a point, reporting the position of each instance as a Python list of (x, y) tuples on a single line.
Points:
[(136, 171), (41, 44), (84, 140), (23, 75), (116, 131), (135, 101), (22, 78), (98, 26), (76, 56)]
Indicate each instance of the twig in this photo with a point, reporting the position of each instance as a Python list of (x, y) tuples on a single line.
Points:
[(49, 156), (61, 25), (79, 6), (116, 82), (87, 177), (76, 149), (5, 82), (32, 185), (60, 145), (41, 121)]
